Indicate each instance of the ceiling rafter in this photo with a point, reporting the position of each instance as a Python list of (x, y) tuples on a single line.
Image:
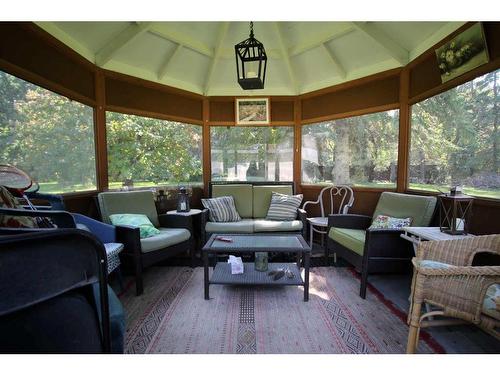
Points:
[(336, 63), (107, 52), (218, 48), (318, 41), (397, 52), (162, 72), (165, 32), (286, 57)]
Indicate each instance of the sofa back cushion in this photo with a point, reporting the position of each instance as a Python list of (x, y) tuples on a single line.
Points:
[(262, 197), (242, 194), (128, 202), (417, 207)]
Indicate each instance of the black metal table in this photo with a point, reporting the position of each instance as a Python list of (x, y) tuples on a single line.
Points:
[(251, 243)]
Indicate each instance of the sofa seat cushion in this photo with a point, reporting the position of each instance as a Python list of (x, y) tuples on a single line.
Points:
[(243, 226), (353, 239), (167, 237), (276, 226)]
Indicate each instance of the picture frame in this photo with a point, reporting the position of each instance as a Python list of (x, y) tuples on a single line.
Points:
[(252, 111), (466, 51)]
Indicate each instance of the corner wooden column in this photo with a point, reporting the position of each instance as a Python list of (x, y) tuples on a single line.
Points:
[(297, 147), (100, 132), (404, 130), (207, 168)]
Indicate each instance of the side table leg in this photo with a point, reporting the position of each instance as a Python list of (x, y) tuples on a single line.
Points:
[(306, 276), (205, 268)]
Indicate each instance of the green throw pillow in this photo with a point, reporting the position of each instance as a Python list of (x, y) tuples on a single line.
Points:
[(142, 222)]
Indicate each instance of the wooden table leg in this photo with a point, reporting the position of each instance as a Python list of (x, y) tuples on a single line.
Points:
[(306, 276), (205, 268)]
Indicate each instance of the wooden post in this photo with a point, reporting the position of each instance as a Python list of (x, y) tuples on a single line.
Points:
[(297, 147), (404, 131), (207, 168), (100, 132)]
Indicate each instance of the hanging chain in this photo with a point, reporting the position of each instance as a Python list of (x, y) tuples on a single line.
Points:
[(251, 29)]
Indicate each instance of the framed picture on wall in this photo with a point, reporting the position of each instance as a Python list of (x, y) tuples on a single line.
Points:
[(252, 111), (463, 53)]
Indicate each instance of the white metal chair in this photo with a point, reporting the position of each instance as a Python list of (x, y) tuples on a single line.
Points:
[(320, 224)]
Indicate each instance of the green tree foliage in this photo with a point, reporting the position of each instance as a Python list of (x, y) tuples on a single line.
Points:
[(357, 150), (455, 137), (148, 150), (47, 135)]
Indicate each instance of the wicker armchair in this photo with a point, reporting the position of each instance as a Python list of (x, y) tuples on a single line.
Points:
[(446, 276)]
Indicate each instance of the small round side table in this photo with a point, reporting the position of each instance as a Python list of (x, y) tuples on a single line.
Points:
[(195, 213), (191, 212), (320, 226)]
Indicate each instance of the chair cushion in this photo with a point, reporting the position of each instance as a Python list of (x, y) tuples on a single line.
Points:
[(113, 249), (131, 202), (242, 194), (419, 208), (167, 237), (243, 226), (283, 207), (221, 209), (140, 221), (490, 305), (353, 239), (262, 198), (276, 226)]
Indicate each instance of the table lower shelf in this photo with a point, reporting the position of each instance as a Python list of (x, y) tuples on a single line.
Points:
[(222, 275)]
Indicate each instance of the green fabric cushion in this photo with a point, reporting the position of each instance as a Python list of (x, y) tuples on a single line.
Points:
[(131, 202), (167, 237), (242, 194), (262, 198), (140, 221), (419, 208), (353, 239), (243, 226), (277, 226)]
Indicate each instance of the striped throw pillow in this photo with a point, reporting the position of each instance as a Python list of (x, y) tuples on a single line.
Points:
[(283, 207), (221, 209)]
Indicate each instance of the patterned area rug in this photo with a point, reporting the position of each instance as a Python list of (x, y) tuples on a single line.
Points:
[(173, 317)]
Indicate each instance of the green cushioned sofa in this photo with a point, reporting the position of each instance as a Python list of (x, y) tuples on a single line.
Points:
[(252, 201), (378, 250)]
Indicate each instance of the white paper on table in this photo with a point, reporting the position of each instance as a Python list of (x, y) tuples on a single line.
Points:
[(236, 264)]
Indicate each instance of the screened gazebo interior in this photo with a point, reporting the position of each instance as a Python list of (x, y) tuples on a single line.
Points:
[(239, 187)]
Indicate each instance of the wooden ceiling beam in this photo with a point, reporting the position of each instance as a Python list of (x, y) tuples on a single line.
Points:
[(162, 72), (397, 52), (107, 52), (165, 32), (218, 48), (286, 58), (336, 63), (322, 39)]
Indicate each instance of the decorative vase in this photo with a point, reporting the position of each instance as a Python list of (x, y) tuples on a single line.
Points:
[(261, 262)]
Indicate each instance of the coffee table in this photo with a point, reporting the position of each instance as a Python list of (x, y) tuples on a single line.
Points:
[(251, 243)]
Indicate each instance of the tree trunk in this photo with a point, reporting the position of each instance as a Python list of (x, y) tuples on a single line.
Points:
[(342, 155)]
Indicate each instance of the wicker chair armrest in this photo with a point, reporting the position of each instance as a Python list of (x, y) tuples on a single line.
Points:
[(457, 270), (459, 252)]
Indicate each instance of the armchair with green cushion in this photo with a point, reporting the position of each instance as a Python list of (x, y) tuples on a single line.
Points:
[(378, 250), (176, 231)]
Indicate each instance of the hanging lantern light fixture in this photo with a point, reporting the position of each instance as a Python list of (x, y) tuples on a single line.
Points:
[(251, 63)]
